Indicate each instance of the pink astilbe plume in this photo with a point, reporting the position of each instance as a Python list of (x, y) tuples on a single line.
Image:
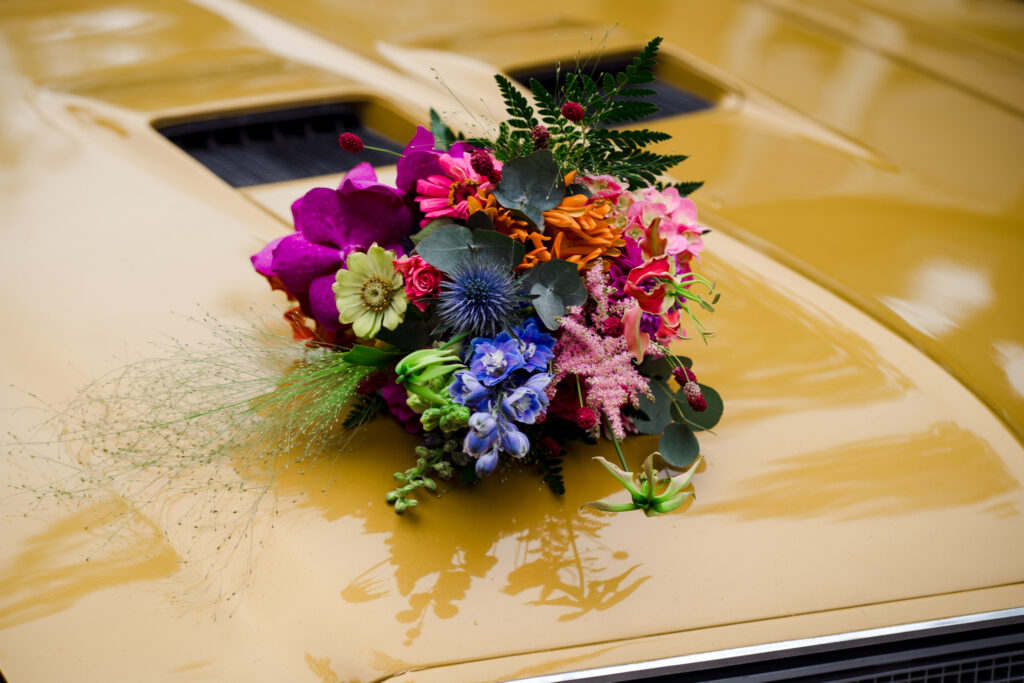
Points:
[(604, 363)]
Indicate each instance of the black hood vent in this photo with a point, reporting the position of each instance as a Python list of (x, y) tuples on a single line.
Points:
[(274, 146)]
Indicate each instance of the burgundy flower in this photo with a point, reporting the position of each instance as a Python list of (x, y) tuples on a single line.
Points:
[(350, 142), (540, 136), (693, 396), (573, 111), (683, 375), (586, 418), (329, 225)]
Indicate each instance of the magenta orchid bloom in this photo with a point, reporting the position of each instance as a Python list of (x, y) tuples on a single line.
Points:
[(329, 225)]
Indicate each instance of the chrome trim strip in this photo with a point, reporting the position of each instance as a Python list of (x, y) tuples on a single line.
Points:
[(658, 667)]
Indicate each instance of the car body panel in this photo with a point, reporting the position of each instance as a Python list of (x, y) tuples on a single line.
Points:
[(868, 469)]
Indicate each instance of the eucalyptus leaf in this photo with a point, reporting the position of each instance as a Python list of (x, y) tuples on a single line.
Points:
[(554, 285), (531, 184), (657, 414), (479, 220), (446, 247), (494, 246), (372, 357), (678, 446), (429, 228), (707, 418), (655, 368)]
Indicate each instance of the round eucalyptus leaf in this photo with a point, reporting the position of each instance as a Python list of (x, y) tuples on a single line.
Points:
[(707, 418), (678, 446)]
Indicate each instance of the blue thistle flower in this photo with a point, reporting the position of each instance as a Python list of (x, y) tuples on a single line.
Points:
[(482, 298)]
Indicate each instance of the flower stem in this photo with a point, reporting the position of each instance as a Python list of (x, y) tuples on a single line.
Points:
[(386, 151), (618, 449)]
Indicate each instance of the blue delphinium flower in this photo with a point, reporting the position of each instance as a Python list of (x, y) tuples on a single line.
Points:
[(480, 298), (494, 360), (536, 346), (524, 403), (501, 389)]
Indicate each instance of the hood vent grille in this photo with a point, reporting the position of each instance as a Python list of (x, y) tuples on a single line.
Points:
[(672, 98), (275, 146)]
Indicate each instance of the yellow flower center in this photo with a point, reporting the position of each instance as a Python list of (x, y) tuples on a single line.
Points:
[(376, 294)]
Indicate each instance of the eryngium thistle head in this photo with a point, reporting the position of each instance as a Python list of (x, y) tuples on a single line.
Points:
[(481, 298)]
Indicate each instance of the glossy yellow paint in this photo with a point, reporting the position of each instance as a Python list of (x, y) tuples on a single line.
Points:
[(868, 470)]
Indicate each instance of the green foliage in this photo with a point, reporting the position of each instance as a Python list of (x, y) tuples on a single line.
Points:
[(443, 135), (678, 445), (370, 356), (429, 461), (707, 418), (592, 145), (531, 185), (363, 409), (449, 245), (553, 286)]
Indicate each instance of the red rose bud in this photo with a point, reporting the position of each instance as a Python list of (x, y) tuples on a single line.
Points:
[(540, 137), (573, 111), (612, 327), (350, 142), (586, 418), (694, 398), (683, 375)]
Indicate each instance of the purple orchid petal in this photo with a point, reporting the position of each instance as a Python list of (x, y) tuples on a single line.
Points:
[(360, 177), (322, 303), (375, 214), (263, 260), (317, 216), (297, 261)]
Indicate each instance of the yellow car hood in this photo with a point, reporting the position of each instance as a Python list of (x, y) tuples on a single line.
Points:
[(866, 206)]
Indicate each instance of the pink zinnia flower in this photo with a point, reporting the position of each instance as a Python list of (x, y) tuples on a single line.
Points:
[(446, 195)]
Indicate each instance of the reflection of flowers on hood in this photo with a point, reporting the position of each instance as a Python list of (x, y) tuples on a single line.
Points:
[(330, 225)]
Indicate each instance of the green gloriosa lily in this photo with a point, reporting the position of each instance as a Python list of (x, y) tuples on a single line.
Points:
[(644, 489)]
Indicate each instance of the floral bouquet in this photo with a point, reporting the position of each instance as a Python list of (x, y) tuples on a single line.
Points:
[(513, 294)]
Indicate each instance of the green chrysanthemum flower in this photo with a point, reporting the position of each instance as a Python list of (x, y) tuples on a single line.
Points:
[(369, 293)]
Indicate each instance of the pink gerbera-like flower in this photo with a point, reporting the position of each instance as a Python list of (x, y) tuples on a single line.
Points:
[(447, 195)]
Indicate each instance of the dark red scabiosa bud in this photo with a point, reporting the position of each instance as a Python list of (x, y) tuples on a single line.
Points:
[(483, 164), (350, 142), (573, 111), (612, 327), (540, 136), (683, 375), (693, 396), (548, 447), (586, 418)]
